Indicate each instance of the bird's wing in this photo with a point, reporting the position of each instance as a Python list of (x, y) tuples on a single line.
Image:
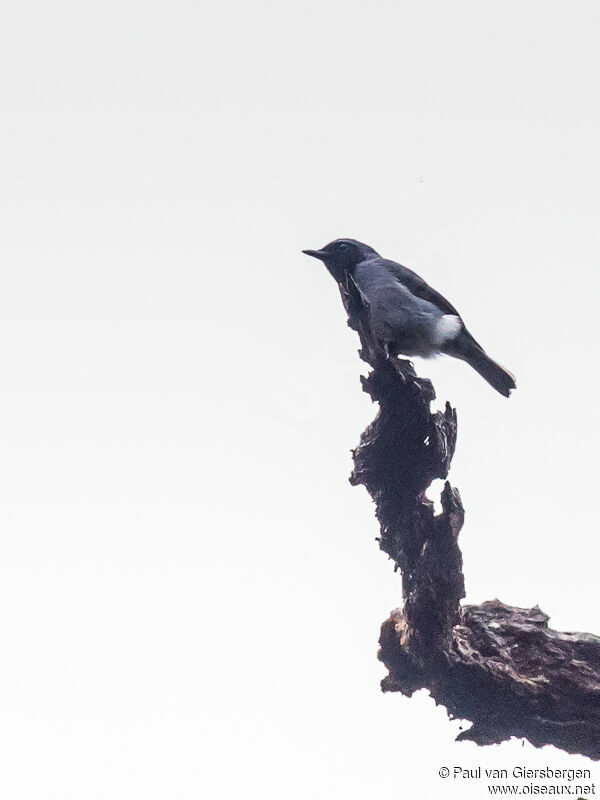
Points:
[(417, 286)]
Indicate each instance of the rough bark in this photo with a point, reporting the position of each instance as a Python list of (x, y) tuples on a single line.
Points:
[(498, 666)]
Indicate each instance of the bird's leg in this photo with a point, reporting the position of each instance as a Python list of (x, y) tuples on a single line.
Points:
[(385, 356), (395, 360), (399, 371)]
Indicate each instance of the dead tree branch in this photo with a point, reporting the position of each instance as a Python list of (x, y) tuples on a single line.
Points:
[(498, 666)]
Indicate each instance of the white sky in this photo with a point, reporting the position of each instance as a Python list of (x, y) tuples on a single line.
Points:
[(191, 591)]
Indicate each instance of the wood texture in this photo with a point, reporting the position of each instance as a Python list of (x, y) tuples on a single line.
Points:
[(498, 666)]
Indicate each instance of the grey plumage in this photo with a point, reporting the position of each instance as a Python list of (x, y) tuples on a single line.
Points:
[(407, 316)]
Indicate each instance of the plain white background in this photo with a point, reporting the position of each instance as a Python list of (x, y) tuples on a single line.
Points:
[(190, 590)]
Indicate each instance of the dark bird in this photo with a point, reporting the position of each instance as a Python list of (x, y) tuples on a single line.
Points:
[(408, 317)]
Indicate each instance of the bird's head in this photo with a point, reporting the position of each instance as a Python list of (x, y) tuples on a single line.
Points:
[(342, 255)]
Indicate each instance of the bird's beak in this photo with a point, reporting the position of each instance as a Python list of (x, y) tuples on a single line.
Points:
[(320, 254)]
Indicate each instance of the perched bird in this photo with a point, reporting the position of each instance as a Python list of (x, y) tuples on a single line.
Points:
[(408, 317)]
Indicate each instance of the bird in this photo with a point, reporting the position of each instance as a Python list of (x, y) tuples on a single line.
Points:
[(406, 315)]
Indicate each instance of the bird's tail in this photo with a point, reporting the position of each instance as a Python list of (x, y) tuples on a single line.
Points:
[(498, 377)]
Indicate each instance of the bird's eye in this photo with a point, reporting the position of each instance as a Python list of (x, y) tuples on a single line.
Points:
[(342, 246)]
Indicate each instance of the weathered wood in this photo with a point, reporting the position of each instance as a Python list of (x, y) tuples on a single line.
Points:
[(498, 666)]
